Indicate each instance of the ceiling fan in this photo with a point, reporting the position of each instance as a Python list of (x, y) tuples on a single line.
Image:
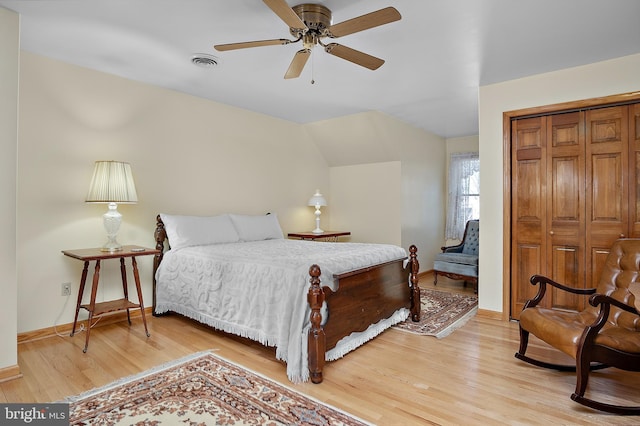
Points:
[(311, 23)]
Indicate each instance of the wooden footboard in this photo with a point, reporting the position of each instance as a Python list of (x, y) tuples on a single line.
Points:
[(364, 297)]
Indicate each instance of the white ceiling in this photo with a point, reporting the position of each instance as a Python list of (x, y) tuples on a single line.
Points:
[(437, 55)]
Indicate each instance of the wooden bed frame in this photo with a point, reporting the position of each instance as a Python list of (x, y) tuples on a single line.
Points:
[(365, 296)]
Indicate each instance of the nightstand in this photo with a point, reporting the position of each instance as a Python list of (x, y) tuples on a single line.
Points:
[(326, 235), (95, 309)]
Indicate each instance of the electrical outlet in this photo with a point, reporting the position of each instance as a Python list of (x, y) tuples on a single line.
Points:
[(65, 289)]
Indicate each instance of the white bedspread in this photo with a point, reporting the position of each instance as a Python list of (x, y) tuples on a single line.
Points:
[(259, 290)]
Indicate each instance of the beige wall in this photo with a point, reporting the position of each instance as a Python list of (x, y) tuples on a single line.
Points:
[(462, 144), (423, 170), (375, 138), (364, 138), (600, 79), (9, 66), (354, 189)]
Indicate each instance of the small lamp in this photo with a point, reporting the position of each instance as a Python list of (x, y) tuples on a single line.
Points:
[(112, 183), (317, 201)]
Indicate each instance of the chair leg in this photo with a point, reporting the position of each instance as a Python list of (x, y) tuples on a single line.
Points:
[(435, 278), (582, 373), (524, 342), (584, 366), (608, 408)]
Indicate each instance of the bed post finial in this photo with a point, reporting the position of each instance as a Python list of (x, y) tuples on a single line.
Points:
[(317, 338), (415, 289), (160, 234)]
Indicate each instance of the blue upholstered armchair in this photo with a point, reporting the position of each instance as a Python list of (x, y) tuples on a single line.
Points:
[(460, 262)]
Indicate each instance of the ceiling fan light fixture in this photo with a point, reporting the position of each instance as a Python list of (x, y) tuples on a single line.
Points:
[(204, 60), (309, 40)]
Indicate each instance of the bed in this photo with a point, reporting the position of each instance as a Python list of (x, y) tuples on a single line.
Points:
[(313, 301)]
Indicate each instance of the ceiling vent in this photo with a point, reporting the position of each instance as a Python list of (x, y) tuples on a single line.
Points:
[(204, 60)]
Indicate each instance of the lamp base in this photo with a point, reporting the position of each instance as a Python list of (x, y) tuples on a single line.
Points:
[(318, 230), (112, 219), (111, 246)]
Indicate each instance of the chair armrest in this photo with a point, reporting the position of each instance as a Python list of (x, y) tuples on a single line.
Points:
[(602, 299), (605, 302), (543, 281), (452, 249), (535, 279)]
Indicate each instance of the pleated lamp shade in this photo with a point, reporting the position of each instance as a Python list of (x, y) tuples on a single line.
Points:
[(112, 182)]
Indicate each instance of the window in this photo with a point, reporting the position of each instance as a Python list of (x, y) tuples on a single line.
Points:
[(463, 193)]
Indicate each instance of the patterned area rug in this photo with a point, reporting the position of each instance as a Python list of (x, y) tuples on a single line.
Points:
[(442, 313), (202, 389)]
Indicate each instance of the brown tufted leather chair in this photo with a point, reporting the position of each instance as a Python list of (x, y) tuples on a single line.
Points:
[(605, 334)]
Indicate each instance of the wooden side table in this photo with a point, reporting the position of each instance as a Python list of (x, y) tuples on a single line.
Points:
[(326, 235), (97, 255)]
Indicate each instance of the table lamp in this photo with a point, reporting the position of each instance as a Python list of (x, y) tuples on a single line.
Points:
[(112, 183), (317, 201)]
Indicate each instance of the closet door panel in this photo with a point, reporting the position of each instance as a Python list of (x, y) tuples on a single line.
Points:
[(565, 206), (607, 194), (598, 259), (565, 189), (566, 264), (528, 165), (530, 263)]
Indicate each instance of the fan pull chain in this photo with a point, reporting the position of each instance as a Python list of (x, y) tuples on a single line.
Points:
[(313, 61)]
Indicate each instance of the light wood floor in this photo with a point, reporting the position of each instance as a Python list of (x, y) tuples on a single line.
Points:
[(469, 377)]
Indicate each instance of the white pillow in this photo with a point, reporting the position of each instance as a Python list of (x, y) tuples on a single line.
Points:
[(185, 231), (256, 228)]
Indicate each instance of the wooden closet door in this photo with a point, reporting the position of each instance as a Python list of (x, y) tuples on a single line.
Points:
[(575, 189), (565, 207), (528, 203), (548, 174), (607, 191)]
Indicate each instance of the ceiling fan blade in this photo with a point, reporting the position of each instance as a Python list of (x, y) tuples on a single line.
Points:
[(355, 56), (298, 63), (282, 9), (247, 44), (364, 22)]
